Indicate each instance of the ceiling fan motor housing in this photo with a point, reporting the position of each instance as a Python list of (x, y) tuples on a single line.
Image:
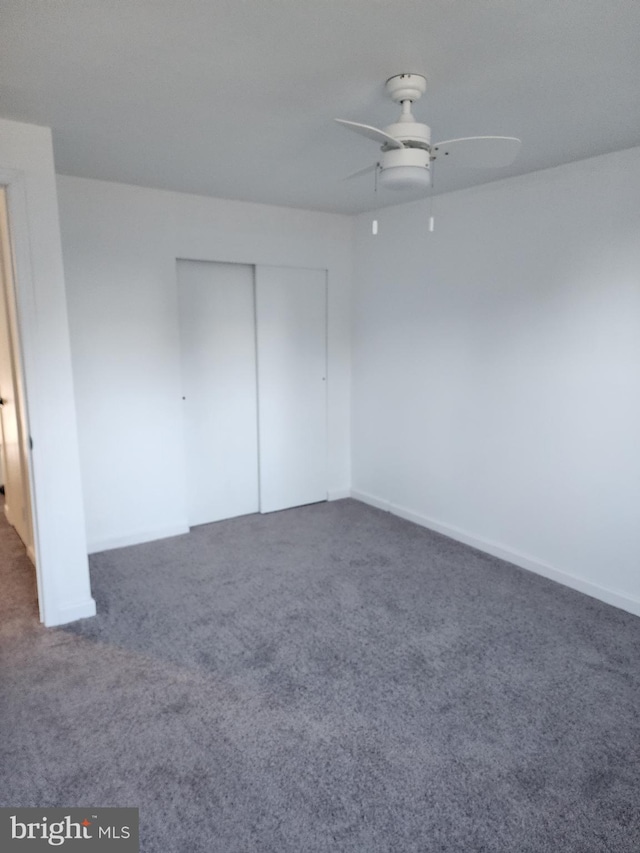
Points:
[(410, 133)]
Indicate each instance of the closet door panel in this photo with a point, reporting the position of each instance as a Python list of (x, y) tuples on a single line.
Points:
[(291, 311), (217, 328)]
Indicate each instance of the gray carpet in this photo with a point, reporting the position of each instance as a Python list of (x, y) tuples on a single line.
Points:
[(329, 678)]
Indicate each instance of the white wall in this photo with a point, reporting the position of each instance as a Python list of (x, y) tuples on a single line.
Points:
[(120, 248), (496, 370), (26, 168)]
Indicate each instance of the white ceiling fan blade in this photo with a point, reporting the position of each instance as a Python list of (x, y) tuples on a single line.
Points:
[(373, 133), (360, 172), (478, 152)]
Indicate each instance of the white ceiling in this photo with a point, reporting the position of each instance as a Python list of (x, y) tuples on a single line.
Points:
[(235, 98)]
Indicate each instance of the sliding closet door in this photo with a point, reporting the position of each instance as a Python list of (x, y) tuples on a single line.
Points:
[(217, 327), (291, 308)]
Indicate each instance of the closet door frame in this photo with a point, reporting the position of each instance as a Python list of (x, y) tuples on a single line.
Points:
[(288, 320)]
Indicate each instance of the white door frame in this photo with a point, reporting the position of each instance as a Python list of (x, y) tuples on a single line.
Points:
[(13, 182)]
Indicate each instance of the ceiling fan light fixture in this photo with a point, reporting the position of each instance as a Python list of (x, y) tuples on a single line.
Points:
[(404, 177), (408, 168)]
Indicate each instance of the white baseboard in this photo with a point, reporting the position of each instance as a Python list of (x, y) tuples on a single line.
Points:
[(70, 613), (137, 538), (503, 552), (7, 513), (338, 494)]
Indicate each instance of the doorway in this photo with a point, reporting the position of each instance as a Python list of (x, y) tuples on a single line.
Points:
[(14, 428)]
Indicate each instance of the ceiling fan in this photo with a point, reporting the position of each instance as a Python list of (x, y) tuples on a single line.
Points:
[(407, 152)]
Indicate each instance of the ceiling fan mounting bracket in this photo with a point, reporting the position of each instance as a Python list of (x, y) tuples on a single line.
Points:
[(406, 87)]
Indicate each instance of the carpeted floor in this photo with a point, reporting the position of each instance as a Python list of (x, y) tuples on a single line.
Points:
[(328, 678)]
